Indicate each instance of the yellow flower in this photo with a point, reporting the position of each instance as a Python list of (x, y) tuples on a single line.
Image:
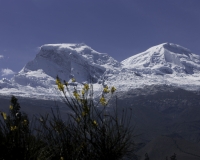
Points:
[(61, 87), (25, 122), (83, 114), (57, 80), (113, 89), (103, 101), (76, 95), (95, 123), (12, 128), (73, 80), (86, 87), (4, 115), (78, 120), (106, 90), (11, 107), (59, 84), (83, 92)]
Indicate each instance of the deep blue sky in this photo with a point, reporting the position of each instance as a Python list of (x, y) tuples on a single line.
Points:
[(120, 28)]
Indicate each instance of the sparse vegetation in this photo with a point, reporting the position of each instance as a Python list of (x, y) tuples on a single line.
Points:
[(90, 131), (17, 139)]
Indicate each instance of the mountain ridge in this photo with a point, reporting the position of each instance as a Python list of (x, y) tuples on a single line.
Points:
[(164, 64)]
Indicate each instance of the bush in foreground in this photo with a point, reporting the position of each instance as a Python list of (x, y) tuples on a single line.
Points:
[(17, 139), (90, 131)]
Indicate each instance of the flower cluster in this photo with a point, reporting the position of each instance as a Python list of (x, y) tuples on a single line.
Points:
[(13, 128), (113, 89), (73, 80), (76, 95), (95, 123), (11, 107), (103, 101), (85, 89), (106, 90)]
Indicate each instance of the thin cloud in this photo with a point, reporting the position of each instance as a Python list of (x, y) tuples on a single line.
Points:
[(1, 56), (6, 72)]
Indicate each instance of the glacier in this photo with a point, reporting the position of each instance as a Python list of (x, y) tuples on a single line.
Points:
[(165, 64)]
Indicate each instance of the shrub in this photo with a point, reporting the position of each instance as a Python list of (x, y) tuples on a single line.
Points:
[(90, 132), (17, 140)]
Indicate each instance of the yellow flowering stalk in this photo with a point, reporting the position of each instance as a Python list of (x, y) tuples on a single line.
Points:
[(76, 95), (103, 101), (95, 123), (113, 89), (73, 80), (61, 87), (106, 90), (11, 107), (25, 122), (86, 87), (78, 120), (83, 91), (83, 114), (4, 115), (12, 128), (57, 80), (59, 84)]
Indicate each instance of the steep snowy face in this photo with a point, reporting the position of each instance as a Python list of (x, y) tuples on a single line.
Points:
[(166, 58), (66, 61)]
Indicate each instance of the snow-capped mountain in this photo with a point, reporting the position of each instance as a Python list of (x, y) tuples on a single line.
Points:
[(166, 58), (164, 64), (66, 61)]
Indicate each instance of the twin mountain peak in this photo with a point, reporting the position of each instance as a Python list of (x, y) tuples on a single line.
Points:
[(166, 63), (80, 60)]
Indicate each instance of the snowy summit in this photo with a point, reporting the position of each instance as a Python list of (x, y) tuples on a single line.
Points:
[(166, 58), (164, 64)]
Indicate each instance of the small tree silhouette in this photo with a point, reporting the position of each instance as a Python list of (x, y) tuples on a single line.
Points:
[(17, 141)]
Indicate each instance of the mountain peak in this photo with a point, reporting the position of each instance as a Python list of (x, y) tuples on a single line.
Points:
[(80, 61), (166, 58), (67, 61), (175, 48)]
